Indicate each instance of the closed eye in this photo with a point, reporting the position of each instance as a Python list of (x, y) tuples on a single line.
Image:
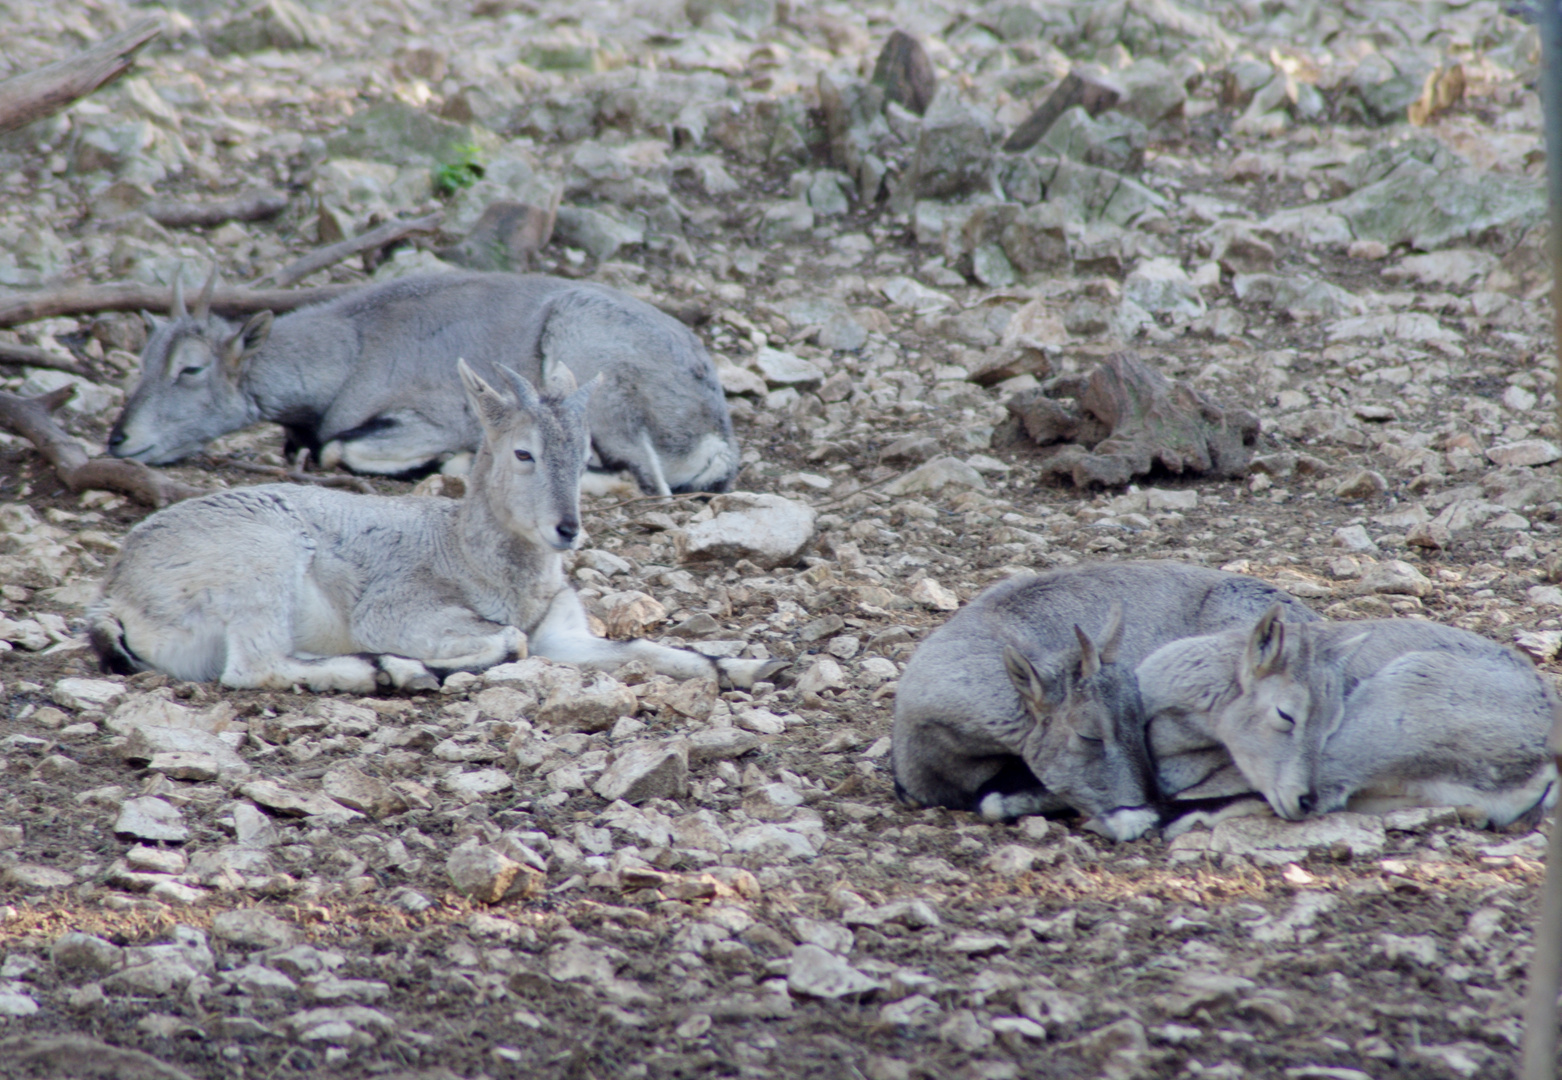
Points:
[(1287, 717), (193, 370), (524, 455)]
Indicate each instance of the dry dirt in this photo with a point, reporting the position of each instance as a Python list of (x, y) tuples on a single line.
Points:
[(1100, 959)]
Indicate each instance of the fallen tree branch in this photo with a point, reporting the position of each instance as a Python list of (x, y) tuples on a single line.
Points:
[(90, 299), (32, 356), (377, 237), (297, 475), (250, 206), (42, 93), (32, 419)]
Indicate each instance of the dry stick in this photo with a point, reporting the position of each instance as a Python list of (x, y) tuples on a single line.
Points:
[(351, 483), (31, 418), (32, 356), (44, 92), (250, 206), (91, 299), (375, 238)]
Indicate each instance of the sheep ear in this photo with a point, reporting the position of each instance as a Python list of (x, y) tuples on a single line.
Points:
[(1026, 679), (1112, 636), (247, 341), (557, 379), (486, 402), (1265, 654)]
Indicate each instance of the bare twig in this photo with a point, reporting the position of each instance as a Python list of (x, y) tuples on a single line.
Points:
[(32, 419), (32, 356), (89, 299), (388, 233), (250, 206), (330, 480), (44, 92)]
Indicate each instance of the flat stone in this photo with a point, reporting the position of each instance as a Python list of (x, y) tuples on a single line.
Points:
[(86, 693), (151, 818), (479, 784), (1272, 841), (1526, 453), (155, 860), (824, 673), (291, 803), (487, 875), (84, 952), (254, 927), (359, 791), (182, 765), (779, 368), (936, 475), (646, 771), (1395, 577), (930, 594), (767, 529), (719, 744), (145, 742), (817, 972), (30, 876), (592, 708)]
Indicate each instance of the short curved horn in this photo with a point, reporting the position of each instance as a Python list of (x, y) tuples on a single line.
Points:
[(203, 305), (178, 310)]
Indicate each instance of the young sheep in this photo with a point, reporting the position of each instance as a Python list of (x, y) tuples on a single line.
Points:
[(1371, 715), (278, 585)]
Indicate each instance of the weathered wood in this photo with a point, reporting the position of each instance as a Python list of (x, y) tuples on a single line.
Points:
[(375, 238), (906, 73), (32, 418), (32, 356), (1131, 418), (89, 299), (1079, 87), (42, 93), (250, 206)]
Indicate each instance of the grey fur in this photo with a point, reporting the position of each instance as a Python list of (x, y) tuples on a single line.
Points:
[(1373, 714), (368, 380), (280, 585), (963, 737)]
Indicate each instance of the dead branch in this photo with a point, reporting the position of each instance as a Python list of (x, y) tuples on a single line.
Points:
[(250, 206), (32, 419), (297, 475), (378, 237), (90, 299), (32, 356), (38, 94)]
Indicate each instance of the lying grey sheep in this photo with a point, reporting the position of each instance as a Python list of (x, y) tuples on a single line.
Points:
[(368, 380), (1051, 729), (1373, 715), (281, 585)]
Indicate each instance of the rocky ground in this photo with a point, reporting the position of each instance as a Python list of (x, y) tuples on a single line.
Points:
[(1327, 215)]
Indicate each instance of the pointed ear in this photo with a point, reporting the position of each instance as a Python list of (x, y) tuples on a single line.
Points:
[(1089, 655), (1026, 679), (1112, 636), (557, 379), (488, 405), (203, 305), (150, 320), (1265, 654), (1344, 650), (244, 344)]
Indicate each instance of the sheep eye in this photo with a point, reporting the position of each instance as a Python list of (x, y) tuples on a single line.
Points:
[(1287, 717), (194, 370), (523, 455)]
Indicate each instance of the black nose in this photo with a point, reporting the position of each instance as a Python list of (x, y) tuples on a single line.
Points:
[(568, 530), (1306, 803)]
